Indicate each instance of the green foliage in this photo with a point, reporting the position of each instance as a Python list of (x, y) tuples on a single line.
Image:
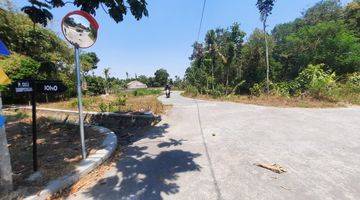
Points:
[(89, 61), (161, 77), (39, 12), (87, 102), (191, 91), (281, 89), (103, 107), (354, 81), (316, 81), (325, 10), (265, 7), (120, 99), (95, 85), (257, 89), (20, 67), (144, 92), (352, 16)]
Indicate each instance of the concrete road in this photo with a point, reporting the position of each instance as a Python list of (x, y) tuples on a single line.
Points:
[(207, 150)]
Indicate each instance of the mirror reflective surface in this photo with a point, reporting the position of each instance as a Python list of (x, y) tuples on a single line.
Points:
[(79, 31)]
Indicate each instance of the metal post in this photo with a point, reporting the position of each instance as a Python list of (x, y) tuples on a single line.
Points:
[(80, 107), (34, 130)]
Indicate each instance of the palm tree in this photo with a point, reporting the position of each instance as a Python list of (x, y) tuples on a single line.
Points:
[(106, 74), (211, 47)]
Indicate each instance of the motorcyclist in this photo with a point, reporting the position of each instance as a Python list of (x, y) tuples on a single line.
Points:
[(167, 87), (167, 90)]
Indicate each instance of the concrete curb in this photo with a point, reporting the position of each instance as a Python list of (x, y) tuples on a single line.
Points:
[(83, 168), (149, 115)]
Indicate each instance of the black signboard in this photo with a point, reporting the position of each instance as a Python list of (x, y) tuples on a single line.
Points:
[(50, 87), (24, 86), (34, 87)]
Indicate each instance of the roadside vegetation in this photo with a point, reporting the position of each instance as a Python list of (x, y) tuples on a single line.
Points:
[(141, 100), (314, 61)]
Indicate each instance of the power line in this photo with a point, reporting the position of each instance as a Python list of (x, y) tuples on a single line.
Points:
[(201, 20)]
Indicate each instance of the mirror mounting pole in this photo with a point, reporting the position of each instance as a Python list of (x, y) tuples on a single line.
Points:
[(80, 106)]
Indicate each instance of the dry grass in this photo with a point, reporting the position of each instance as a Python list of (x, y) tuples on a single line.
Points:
[(133, 104), (276, 101)]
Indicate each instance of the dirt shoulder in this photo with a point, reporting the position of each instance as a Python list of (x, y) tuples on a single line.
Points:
[(59, 149), (275, 101)]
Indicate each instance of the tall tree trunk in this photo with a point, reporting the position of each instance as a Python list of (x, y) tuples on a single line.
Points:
[(227, 79), (5, 165), (212, 73), (267, 60)]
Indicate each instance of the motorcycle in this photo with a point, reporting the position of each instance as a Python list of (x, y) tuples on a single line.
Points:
[(167, 92)]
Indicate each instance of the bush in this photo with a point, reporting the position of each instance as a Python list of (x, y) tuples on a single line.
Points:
[(354, 81), (257, 89), (145, 92), (314, 80), (191, 91), (280, 89), (120, 100), (86, 102), (103, 107)]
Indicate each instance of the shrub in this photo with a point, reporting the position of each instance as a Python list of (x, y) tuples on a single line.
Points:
[(120, 100), (280, 89), (144, 92), (86, 101), (191, 91), (354, 81), (103, 107), (314, 80), (257, 89)]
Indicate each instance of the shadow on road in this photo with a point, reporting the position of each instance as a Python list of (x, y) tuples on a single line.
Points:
[(141, 175)]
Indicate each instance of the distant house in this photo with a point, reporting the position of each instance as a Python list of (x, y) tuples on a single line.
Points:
[(135, 85)]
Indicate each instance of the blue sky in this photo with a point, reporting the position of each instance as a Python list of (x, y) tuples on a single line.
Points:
[(164, 39)]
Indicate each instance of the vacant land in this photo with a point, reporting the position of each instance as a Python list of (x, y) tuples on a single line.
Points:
[(137, 101), (58, 148)]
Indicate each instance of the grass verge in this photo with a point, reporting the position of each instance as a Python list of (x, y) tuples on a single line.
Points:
[(271, 100)]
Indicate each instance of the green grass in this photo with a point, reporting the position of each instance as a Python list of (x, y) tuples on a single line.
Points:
[(145, 92), (17, 116)]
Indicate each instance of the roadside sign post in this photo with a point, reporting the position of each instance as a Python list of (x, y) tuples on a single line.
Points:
[(80, 106), (34, 87), (34, 128), (80, 29)]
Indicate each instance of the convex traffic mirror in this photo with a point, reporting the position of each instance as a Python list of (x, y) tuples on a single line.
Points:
[(80, 29)]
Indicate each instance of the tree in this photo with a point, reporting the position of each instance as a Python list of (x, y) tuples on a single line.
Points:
[(107, 76), (325, 10), (88, 61), (210, 41), (352, 16), (330, 43), (39, 10), (265, 7), (161, 77), (20, 67)]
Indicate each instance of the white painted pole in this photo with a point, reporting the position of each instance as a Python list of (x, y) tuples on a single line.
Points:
[(80, 106)]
